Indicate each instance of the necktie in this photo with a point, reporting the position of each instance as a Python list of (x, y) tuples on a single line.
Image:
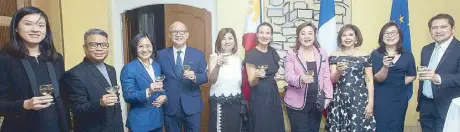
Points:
[(179, 64), (434, 61)]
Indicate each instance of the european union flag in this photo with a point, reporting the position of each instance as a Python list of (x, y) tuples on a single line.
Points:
[(400, 15)]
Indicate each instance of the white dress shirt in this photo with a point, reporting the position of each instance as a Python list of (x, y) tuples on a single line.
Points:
[(181, 55), (442, 50)]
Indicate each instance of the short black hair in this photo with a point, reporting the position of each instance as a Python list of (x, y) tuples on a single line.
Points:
[(382, 46), (95, 31), (137, 39), (449, 18), (16, 47)]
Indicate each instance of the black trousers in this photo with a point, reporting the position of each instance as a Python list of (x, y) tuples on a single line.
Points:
[(430, 120), (306, 120)]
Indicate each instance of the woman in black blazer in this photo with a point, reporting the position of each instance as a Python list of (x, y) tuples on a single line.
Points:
[(27, 62)]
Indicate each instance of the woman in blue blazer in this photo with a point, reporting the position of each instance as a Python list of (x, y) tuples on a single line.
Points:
[(140, 89)]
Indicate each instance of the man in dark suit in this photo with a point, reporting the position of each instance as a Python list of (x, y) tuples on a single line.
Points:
[(184, 103), (440, 82), (94, 109)]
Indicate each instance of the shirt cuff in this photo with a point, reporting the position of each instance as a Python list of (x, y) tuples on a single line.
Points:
[(438, 83), (147, 93)]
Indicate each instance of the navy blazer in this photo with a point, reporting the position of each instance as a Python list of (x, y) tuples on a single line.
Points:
[(449, 70), (86, 85), (183, 92), (142, 115)]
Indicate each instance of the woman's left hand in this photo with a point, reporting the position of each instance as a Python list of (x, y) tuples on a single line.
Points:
[(369, 111)]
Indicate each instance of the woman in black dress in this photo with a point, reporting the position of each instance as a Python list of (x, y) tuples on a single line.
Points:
[(265, 111), (28, 62), (393, 70)]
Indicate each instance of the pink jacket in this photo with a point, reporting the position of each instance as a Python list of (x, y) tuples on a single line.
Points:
[(296, 94)]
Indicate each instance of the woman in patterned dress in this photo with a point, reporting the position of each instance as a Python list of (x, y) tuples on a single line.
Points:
[(352, 106), (225, 100)]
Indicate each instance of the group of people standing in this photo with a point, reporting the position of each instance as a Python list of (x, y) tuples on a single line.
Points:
[(360, 91)]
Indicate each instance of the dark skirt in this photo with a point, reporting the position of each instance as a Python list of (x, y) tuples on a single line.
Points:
[(230, 110)]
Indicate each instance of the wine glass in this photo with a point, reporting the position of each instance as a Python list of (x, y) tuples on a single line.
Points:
[(422, 69), (159, 78), (310, 76), (113, 90), (46, 89), (186, 68), (344, 62), (391, 56), (262, 67)]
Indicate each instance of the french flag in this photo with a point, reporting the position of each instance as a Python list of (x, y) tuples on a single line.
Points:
[(327, 33), (253, 19)]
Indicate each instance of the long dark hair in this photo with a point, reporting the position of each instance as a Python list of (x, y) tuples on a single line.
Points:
[(137, 39), (382, 44), (299, 28), (16, 47)]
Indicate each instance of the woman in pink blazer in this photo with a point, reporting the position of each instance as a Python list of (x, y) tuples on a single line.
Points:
[(307, 73)]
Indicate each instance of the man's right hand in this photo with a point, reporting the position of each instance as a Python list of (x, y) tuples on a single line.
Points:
[(37, 103), (108, 100)]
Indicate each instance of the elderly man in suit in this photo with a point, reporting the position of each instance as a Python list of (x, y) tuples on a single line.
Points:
[(94, 109), (184, 103), (440, 82)]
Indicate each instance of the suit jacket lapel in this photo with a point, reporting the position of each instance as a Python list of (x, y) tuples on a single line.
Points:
[(447, 52), (141, 69), (187, 59), (427, 56), (112, 75), (97, 74), (172, 61), (302, 62), (318, 59)]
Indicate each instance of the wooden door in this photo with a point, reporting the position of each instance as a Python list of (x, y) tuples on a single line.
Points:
[(198, 22)]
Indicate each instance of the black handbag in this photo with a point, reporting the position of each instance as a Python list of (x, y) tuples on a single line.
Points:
[(321, 96)]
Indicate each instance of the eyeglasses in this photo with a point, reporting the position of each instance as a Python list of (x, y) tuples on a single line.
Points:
[(387, 34), (94, 45), (175, 32)]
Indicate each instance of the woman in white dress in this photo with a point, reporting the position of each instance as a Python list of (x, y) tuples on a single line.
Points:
[(226, 101)]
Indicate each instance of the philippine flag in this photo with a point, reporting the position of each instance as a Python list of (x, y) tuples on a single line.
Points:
[(327, 33), (253, 19)]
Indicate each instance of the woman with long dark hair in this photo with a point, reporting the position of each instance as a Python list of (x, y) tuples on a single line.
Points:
[(30, 70), (393, 70)]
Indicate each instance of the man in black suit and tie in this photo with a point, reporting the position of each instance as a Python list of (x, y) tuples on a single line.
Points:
[(94, 109), (440, 81)]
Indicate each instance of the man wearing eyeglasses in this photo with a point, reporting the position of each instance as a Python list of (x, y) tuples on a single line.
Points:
[(94, 108), (185, 70)]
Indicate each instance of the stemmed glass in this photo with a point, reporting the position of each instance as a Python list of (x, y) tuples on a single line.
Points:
[(159, 78), (113, 90), (262, 67), (46, 89)]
